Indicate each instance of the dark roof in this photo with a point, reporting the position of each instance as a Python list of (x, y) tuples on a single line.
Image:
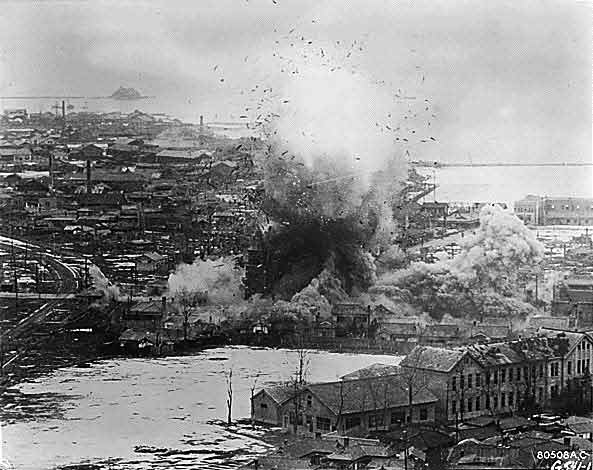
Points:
[(492, 331), (403, 328), (279, 393), (150, 307), (562, 341), (368, 394), (443, 331), (109, 199), (432, 358), (137, 336), (344, 309), (374, 370)]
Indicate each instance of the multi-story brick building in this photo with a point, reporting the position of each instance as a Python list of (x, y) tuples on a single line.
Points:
[(539, 210), (573, 297), (501, 378)]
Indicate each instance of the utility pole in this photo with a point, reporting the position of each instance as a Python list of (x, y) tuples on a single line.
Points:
[(16, 282)]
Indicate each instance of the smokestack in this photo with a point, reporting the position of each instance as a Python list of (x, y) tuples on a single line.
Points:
[(201, 122), (63, 110), (51, 169), (88, 177)]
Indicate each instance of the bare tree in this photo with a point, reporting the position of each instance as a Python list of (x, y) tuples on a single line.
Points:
[(187, 300), (413, 380), (252, 389), (229, 396), (297, 382)]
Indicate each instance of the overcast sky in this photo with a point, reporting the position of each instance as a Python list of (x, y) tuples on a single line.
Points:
[(506, 79)]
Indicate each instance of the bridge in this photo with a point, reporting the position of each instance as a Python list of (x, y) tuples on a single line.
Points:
[(437, 164)]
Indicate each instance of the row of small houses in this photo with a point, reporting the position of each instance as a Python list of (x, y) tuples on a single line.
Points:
[(377, 323), (436, 384)]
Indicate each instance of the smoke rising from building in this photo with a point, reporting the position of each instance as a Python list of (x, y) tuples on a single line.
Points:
[(217, 281), (111, 292), (331, 173), (481, 280)]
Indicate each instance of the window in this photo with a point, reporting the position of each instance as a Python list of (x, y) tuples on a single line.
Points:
[(569, 365), (398, 417), (495, 377), (263, 406), (352, 422), (478, 380), (503, 399), (469, 405), (502, 375), (454, 407), (461, 406), (587, 366), (323, 424), (462, 381), (375, 421), (511, 399), (578, 367), (540, 394), (454, 384), (541, 370), (533, 374), (518, 374), (487, 377), (495, 401), (487, 402), (309, 401), (423, 414), (477, 403), (469, 380)]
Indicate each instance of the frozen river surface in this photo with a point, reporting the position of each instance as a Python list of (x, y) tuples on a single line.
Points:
[(169, 405)]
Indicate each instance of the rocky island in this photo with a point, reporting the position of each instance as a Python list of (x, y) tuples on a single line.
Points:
[(123, 93)]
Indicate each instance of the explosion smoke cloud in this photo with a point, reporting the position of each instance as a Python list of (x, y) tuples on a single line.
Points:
[(217, 280), (330, 177), (482, 279)]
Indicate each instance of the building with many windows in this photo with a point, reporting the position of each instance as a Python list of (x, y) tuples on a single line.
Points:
[(501, 378), (538, 210), (347, 406)]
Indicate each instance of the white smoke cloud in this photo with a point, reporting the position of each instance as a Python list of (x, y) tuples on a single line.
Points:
[(219, 280), (111, 292), (483, 278), (339, 124)]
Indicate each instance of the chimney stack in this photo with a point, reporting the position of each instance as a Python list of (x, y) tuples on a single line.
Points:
[(63, 110), (201, 122), (88, 177), (51, 169)]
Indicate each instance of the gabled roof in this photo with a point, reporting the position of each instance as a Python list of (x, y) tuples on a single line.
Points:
[(368, 394), (562, 341), (279, 393), (433, 358), (154, 256)]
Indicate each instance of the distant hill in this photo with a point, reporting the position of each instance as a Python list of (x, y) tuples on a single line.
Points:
[(123, 93)]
